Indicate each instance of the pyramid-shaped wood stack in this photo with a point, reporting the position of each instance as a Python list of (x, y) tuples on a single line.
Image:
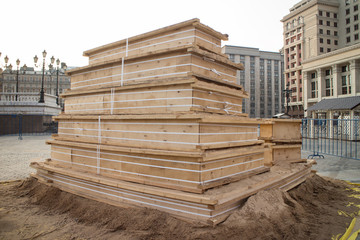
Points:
[(155, 120)]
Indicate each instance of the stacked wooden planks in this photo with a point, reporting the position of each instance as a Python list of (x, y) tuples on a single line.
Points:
[(283, 139), (156, 120)]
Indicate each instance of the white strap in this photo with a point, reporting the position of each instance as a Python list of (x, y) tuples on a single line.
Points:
[(122, 71), (98, 159), (99, 130), (112, 100)]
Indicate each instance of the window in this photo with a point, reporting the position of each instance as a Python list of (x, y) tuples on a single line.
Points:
[(321, 49), (329, 50), (327, 23), (356, 17), (329, 87), (320, 13), (348, 39), (232, 57), (335, 33), (335, 24), (347, 2), (335, 15), (328, 32), (328, 41), (347, 11), (320, 22), (356, 27), (336, 42), (356, 7), (346, 84), (321, 31), (314, 86), (348, 30), (345, 79), (327, 14), (348, 21), (321, 40), (356, 36)]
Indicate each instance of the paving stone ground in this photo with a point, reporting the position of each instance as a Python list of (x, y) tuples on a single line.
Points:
[(16, 155)]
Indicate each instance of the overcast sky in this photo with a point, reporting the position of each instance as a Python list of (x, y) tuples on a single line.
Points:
[(66, 28)]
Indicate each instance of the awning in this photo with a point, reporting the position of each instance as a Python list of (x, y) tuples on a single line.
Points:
[(347, 103)]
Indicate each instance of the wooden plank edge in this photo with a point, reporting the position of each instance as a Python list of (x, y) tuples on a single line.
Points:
[(158, 191), (193, 154)]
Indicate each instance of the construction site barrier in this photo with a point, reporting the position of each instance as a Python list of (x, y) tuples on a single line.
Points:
[(337, 137)]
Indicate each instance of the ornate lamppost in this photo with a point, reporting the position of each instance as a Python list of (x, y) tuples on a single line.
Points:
[(18, 72), (57, 70), (42, 94)]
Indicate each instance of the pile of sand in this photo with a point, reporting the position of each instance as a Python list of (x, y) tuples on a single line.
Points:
[(309, 211)]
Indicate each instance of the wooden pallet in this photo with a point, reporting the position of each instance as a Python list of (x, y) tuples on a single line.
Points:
[(177, 62), (185, 95), (211, 207), (181, 34), (177, 170), (186, 132)]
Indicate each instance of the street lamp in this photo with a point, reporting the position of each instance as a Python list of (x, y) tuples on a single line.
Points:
[(57, 69), (18, 72), (42, 99)]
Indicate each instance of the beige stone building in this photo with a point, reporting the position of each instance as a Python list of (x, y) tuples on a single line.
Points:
[(321, 40), (262, 78), (29, 81)]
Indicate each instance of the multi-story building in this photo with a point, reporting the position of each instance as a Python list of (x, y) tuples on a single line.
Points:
[(262, 78), (321, 52)]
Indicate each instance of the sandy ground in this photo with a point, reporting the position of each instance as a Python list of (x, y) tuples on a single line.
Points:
[(30, 210)]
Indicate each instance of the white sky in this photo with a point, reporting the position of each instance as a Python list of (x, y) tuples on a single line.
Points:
[(66, 28)]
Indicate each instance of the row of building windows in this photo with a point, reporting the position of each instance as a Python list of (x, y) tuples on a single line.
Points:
[(356, 37), (355, 8), (328, 32), (327, 14), (328, 41), (348, 20), (328, 23)]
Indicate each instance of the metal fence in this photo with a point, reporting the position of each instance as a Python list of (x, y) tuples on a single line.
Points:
[(338, 137), (18, 124)]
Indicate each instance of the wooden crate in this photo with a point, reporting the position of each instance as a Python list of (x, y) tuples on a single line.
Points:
[(166, 64), (187, 95), (181, 34), (177, 170), (277, 154), (211, 207), (168, 132), (281, 130)]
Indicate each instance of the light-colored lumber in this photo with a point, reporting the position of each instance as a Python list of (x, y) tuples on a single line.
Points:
[(179, 62), (192, 173), (188, 32), (210, 207), (181, 96)]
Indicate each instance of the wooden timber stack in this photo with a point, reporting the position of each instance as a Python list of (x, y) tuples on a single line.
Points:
[(155, 121), (282, 139)]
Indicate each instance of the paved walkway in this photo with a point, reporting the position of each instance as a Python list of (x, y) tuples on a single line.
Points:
[(16, 155), (336, 167)]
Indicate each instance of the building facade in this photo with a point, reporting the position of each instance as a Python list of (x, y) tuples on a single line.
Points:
[(262, 78), (320, 48), (29, 81)]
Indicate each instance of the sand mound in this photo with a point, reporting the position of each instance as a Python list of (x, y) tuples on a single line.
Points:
[(309, 211)]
